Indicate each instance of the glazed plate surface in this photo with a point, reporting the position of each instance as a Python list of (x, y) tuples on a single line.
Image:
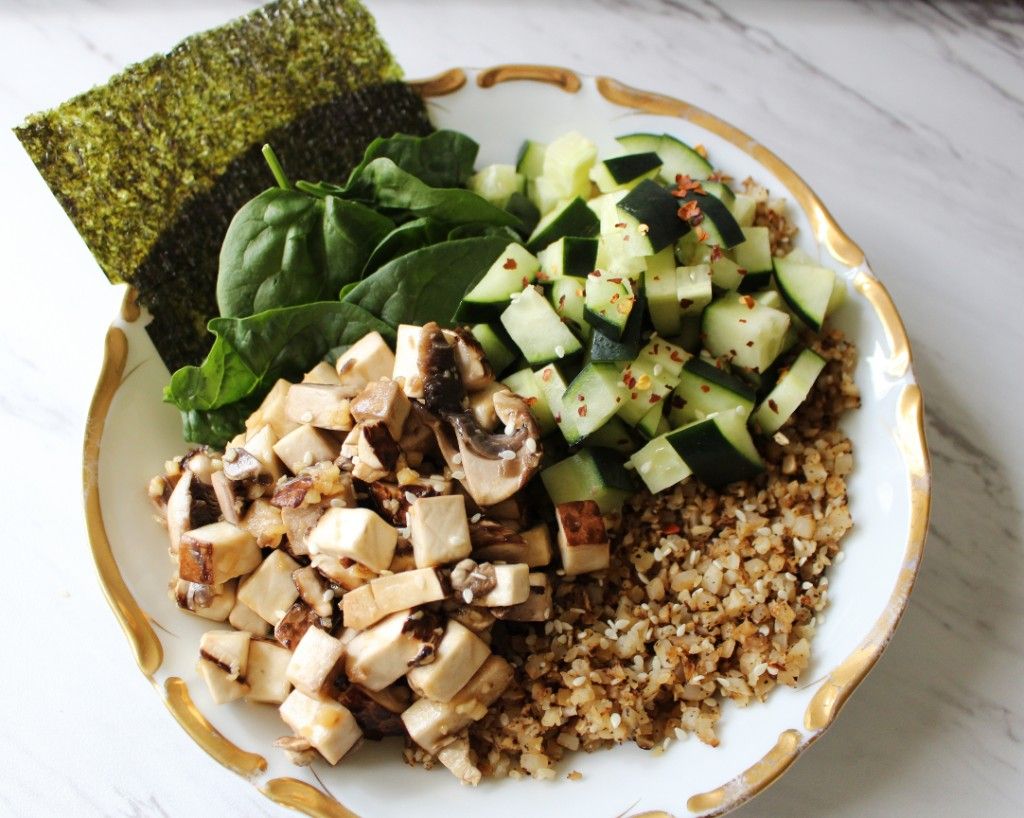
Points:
[(131, 433)]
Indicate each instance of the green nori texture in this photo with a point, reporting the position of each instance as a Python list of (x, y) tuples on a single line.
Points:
[(123, 157), (177, 279)]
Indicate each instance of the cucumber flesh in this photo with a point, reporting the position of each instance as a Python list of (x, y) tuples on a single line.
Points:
[(569, 256), (573, 218), (659, 465), (537, 330), (748, 334), (789, 392), (590, 474), (496, 183), (593, 397), (807, 289), (660, 279), (497, 349), (718, 449), (704, 390), (567, 296), (614, 434), (514, 269), (625, 171), (526, 383)]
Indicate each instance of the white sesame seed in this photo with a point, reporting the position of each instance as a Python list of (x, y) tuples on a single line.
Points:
[(531, 445), (457, 458), (307, 417), (337, 502), (467, 595), (658, 369), (410, 498), (507, 454), (475, 518), (328, 595), (307, 459), (459, 474), (579, 681), (839, 557), (560, 351), (616, 720)]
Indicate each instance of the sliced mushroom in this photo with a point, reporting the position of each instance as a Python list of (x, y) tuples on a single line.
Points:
[(192, 504), (392, 501), (296, 622), (314, 590), (376, 450), (292, 492), (375, 710), (229, 502), (382, 400), (214, 553)]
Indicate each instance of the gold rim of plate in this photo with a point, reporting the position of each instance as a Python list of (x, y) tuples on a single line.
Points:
[(826, 703)]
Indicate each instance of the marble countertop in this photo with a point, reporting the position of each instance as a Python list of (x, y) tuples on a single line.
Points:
[(908, 120)]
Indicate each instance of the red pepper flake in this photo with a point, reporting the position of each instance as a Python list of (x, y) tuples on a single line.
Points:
[(685, 185), (671, 528), (530, 401), (595, 273), (526, 282), (615, 297), (510, 264), (690, 212), (545, 375), (705, 388), (716, 253), (620, 225), (702, 234), (616, 280), (740, 271), (743, 320), (773, 406), (700, 150), (750, 343), (749, 302), (579, 294), (558, 417), (628, 379), (675, 356), (654, 398), (634, 395), (685, 303), (654, 349), (582, 411), (718, 176), (561, 302), (581, 398)]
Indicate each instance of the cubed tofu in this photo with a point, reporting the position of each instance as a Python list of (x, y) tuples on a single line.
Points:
[(394, 592), (329, 726), (322, 373), (246, 619), (271, 412), (582, 538), (299, 524), (538, 546), (261, 446), (382, 400), (439, 530), (459, 655), (433, 724), (316, 662), (383, 653), (368, 359), (267, 674), (481, 404), (305, 446), (407, 370), (536, 608), (215, 553), (213, 602), (323, 406), (269, 590), (512, 586), (458, 759), (377, 453), (356, 534), (264, 522), (224, 659), (349, 575)]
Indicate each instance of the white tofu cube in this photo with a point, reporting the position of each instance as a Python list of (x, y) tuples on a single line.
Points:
[(359, 608), (537, 607), (513, 586), (407, 369), (459, 656), (356, 533), (305, 446), (261, 446), (369, 359), (538, 545), (224, 658), (382, 400), (439, 530), (215, 553), (267, 674), (382, 654), (315, 662), (322, 373), (213, 602), (582, 537), (325, 407), (394, 592), (246, 619), (269, 591), (329, 726), (271, 412)]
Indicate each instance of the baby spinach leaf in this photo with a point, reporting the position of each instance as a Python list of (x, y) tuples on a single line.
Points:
[(286, 247), (382, 184), (404, 239), (427, 284), (216, 426), (441, 159), (466, 231), (222, 378)]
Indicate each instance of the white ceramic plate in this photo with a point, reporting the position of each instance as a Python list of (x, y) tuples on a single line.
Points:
[(132, 432)]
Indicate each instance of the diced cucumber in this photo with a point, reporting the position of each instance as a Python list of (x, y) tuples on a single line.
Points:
[(662, 301), (593, 397), (772, 298), (603, 348), (613, 435), (569, 256), (553, 384), (573, 218), (514, 269), (652, 211), (693, 290), (688, 248), (677, 157), (703, 390), (653, 423), (526, 211), (649, 378), (498, 347), (496, 183), (743, 208), (689, 335), (718, 449), (791, 389), (567, 297), (590, 474), (751, 335), (567, 163), (526, 383), (726, 274), (530, 162), (807, 289), (609, 303), (659, 465), (754, 255), (717, 222), (720, 190), (545, 195), (625, 171), (537, 330)]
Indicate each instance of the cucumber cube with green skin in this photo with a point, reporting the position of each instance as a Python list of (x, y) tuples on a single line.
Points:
[(603, 348), (662, 302), (743, 208), (693, 291), (659, 465), (789, 392), (536, 329), (609, 302), (614, 434), (720, 190), (717, 222), (593, 397), (749, 334), (648, 379), (530, 162), (497, 349), (526, 384), (653, 423), (514, 269), (807, 288), (567, 295), (590, 474), (625, 171), (677, 157), (703, 390), (573, 218), (656, 212), (754, 257), (569, 256), (567, 163), (496, 183), (718, 449), (554, 385)]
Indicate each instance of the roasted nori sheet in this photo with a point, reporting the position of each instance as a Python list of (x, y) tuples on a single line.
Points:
[(151, 166)]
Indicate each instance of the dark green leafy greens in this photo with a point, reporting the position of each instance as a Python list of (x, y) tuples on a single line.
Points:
[(311, 268)]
